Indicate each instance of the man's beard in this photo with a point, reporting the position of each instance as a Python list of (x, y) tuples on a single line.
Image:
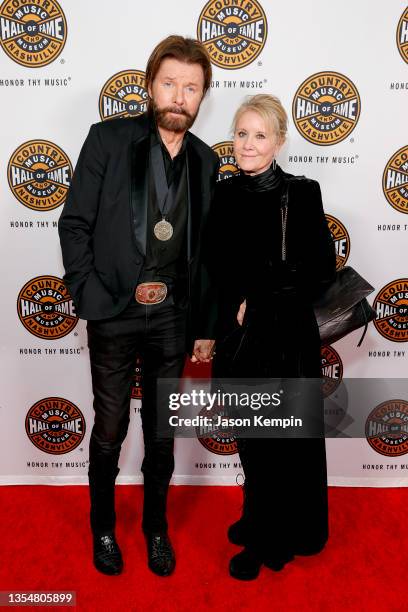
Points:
[(180, 123)]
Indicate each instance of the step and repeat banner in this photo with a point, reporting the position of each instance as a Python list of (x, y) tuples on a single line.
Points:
[(342, 75)]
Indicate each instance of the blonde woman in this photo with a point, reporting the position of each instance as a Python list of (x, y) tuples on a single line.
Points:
[(285, 508)]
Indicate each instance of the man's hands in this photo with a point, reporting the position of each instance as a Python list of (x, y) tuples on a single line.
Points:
[(241, 312), (203, 351)]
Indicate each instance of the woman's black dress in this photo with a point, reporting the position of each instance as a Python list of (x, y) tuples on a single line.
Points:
[(285, 510)]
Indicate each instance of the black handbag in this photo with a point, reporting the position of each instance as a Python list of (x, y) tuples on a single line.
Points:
[(343, 306)]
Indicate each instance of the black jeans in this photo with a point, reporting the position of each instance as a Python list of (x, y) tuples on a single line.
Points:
[(158, 334)]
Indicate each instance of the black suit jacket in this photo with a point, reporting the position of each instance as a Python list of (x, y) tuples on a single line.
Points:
[(102, 227)]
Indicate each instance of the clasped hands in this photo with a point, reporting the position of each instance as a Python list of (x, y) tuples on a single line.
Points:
[(203, 350)]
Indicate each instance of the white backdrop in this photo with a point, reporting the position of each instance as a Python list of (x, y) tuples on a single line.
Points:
[(84, 44)]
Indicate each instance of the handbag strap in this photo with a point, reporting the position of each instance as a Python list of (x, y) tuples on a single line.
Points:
[(365, 326), (363, 335)]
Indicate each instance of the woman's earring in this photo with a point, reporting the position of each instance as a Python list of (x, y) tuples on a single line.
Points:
[(274, 164)]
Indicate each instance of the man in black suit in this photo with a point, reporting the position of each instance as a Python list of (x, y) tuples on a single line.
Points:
[(132, 242)]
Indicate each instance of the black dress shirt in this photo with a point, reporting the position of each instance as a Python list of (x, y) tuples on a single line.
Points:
[(166, 260)]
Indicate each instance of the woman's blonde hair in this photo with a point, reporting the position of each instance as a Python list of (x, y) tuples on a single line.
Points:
[(270, 109)]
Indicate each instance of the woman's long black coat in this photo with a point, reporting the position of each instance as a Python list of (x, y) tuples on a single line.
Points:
[(286, 484)]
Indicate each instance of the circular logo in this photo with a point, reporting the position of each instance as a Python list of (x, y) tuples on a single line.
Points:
[(332, 369), (55, 425), (46, 309), (341, 240), (39, 174), (220, 441), (391, 305), (387, 428), (326, 108), (395, 180), (234, 36), (123, 95), (228, 165), (32, 33), (402, 35)]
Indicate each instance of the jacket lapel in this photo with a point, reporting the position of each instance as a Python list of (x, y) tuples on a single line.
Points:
[(139, 188)]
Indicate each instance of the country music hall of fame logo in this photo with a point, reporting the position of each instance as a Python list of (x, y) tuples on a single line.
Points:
[(395, 180), (331, 369), (341, 240), (228, 165), (55, 425), (391, 306), (33, 34), (387, 428), (219, 440), (326, 108), (123, 95), (234, 36), (402, 35), (46, 309), (39, 174)]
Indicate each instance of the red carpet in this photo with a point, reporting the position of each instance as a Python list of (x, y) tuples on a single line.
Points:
[(46, 545)]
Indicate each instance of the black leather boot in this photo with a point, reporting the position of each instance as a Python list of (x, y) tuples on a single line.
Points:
[(160, 554), (246, 565), (107, 556), (106, 552)]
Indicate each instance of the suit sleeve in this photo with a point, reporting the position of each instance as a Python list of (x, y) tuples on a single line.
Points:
[(78, 218)]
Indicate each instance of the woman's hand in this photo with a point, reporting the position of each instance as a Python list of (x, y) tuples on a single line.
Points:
[(241, 312)]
